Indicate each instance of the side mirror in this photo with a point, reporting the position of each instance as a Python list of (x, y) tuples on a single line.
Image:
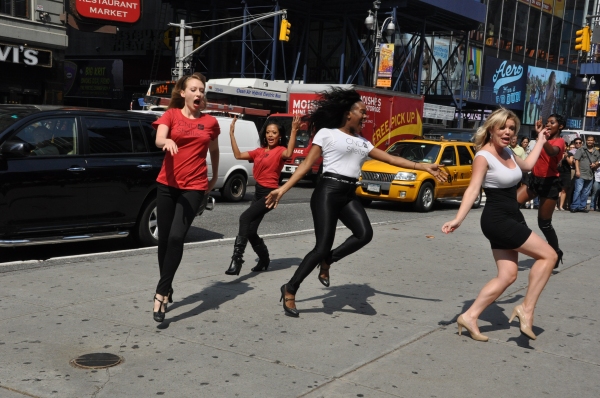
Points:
[(448, 162), (14, 149)]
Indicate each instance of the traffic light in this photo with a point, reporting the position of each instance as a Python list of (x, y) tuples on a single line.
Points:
[(284, 32), (583, 39)]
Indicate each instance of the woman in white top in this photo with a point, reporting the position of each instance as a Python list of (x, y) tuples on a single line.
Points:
[(499, 172), (338, 118)]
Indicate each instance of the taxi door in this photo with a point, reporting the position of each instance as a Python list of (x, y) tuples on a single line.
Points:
[(464, 169), (448, 162)]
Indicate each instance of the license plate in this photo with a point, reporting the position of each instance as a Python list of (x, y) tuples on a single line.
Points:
[(374, 188), (289, 169)]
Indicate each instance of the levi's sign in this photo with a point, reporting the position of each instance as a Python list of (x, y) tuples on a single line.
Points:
[(18, 54), (127, 11)]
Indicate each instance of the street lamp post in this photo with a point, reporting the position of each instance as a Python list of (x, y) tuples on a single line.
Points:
[(371, 23), (590, 82)]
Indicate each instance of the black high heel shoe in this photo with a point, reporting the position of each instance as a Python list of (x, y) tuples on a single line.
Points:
[(170, 295), (289, 311), (160, 315), (324, 280), (559, 259)]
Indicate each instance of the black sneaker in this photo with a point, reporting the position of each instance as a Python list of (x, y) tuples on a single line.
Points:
[(583, 210)]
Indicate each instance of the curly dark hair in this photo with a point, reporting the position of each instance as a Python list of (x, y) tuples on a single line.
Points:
[(329, 109), (263, 135), (560, 120)]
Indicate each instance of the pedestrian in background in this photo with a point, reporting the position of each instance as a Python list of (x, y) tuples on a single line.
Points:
[(499, 172), (544, 180), (595, 205), (268, 161), (186, 135), (564, 169), (337, 117), (586, 162), (516, 148)]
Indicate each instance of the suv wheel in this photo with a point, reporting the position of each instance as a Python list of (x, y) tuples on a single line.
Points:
[(477, 203), (425, 199), (147, 230), (234, 188)]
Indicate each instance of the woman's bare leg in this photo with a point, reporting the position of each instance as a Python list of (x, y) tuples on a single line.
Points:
[(506, 261), (545, 257)]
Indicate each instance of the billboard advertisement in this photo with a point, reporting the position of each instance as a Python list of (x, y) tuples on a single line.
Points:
[(472, 81), (554, 7), (541, 94), (504, 83), (592, 107), (93, 78)]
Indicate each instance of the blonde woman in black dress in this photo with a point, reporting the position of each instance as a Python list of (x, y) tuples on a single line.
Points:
[(499, 172)]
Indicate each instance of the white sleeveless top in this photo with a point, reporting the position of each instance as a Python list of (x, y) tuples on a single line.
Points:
[(342, 153), (498, 175)]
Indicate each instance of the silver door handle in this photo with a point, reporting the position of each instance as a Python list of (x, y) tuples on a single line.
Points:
[(76, 169), (145, 166)]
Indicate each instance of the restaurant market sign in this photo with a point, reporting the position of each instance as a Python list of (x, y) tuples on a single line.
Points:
[(128, 11)]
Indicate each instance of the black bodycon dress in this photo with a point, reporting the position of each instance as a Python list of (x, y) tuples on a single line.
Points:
[(501, 220)]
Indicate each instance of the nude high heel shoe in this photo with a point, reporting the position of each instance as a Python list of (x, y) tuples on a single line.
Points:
[(525, 328), (475, 336)]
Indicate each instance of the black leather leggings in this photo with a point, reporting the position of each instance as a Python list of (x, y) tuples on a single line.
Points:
[(332, 201), (176, 209), (252, 217)]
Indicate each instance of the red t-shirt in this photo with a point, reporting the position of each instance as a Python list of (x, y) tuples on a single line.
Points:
[(547, 166), (187, 168), (267, 165)]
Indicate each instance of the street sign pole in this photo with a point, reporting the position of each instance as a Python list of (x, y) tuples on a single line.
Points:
[(180, 56)]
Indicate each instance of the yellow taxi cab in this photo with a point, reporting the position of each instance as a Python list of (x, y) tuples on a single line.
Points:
[(381, 181)]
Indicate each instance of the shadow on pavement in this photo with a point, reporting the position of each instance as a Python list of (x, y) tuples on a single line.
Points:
[(354, 296)]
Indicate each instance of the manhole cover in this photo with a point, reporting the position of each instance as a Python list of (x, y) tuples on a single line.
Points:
[(96, 360)]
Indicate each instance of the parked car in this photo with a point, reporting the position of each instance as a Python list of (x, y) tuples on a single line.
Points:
[(381, 181), (69, 174)]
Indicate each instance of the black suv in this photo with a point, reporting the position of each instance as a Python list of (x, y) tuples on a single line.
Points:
[(69, 174)]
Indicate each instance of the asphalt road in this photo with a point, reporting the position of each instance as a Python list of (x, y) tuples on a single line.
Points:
[(292, 214)]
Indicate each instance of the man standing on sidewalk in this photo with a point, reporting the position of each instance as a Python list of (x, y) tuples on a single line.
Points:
[(586, 162)]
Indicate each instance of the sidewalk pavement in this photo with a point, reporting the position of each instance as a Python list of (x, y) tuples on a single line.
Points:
[(385, 328)]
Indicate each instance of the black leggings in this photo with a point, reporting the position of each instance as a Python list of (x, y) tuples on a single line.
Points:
[(332, 201), (176, 209), (252, 217)]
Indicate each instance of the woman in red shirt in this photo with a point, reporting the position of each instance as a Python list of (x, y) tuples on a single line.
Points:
[(544, 180), (268, 161), (186, 135)]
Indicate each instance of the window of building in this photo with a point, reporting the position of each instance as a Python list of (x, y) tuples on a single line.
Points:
[(520, 37), (508, 24), (16, 8), (492, 30), (533, 33), (554, 46)]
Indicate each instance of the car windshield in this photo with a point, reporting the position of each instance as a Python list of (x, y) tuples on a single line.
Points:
[(415, 151), (9, 116), (464, 136)]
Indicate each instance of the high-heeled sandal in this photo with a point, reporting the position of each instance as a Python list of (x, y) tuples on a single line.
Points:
[(460, 322), (288, 310), (170, 295), (523, 326), (324, 280), (559, 259), (159, 316)]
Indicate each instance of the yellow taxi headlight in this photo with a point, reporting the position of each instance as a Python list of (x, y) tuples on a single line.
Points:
[(404, 176)]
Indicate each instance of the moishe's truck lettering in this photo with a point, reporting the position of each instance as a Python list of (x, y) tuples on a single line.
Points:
[(391, 116)]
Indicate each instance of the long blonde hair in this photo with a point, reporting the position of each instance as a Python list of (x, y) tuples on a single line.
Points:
[(177, 101), (497, 118)]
